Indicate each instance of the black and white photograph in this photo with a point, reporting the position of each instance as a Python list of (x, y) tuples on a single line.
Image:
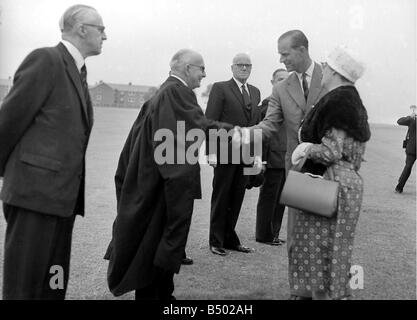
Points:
[(196, 150)]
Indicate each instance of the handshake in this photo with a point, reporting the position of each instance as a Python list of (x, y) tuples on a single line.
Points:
[(242, 137)]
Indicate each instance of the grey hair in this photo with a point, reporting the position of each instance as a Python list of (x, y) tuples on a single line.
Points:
[(72, 15), (180, 59)]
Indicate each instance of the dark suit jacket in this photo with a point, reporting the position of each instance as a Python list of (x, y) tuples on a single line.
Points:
[(44, 131), (411, 133), (275, 147), (226, 104)]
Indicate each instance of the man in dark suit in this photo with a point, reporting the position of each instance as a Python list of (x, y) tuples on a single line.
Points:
[(155, 197), (269, 211), (45, 124), (410, 147), (234, 101)]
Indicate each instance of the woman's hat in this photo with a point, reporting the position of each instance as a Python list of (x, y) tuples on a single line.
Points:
[(345, 63)]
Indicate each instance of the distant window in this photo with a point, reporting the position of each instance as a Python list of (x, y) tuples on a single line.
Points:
[(131, 100), (122, 93), (131, 93), (98, 97), (122, 99)]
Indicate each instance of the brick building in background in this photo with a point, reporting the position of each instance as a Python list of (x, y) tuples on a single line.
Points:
[(113, 95)]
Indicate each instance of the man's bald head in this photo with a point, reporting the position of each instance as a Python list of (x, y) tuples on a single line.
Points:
[(74, 14), (189, 66)]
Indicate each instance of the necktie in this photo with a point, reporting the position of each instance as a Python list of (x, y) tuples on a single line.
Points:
[(305, 85), (246, 98), (86, 92)]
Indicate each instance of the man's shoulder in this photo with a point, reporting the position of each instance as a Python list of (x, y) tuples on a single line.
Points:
[(222, 84)]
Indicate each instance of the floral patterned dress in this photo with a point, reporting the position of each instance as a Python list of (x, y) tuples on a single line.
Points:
[(321, 256)]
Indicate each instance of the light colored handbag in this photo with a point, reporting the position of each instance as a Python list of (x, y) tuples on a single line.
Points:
[(311, 193)]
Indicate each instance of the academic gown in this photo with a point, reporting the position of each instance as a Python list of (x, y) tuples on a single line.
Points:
[(155, 201)]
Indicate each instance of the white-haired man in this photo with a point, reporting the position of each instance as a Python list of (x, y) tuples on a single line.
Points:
[(45, 124), (155, 198)]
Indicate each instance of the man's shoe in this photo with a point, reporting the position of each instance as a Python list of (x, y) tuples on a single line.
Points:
[(217, 250), (398, 190), (241, 248), (274, 242), (187, 261)]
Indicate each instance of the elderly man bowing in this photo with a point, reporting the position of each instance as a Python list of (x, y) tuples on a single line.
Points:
[(155, 198)]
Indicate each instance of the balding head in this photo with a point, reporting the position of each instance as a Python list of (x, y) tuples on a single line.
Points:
[(241, 67), (83, 27), (74, 14), (189, 66)]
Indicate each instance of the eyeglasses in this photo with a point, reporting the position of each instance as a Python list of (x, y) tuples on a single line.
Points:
[(202, 68), (99, 28), (241, 65)]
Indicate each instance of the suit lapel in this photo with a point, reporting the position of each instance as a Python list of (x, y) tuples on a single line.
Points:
[(236, 91), (74, 75), (254, 103), (315, 86), (294, 89)]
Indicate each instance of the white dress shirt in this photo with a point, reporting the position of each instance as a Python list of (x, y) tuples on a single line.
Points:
[(239, 84), (309, 75), (75, 53)]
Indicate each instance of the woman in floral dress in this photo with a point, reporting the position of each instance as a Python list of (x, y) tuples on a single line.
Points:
[(333, 137)]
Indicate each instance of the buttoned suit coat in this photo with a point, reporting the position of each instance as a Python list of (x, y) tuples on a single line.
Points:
[(45, 124)]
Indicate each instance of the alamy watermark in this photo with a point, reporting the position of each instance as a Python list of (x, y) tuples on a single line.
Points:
[(183, 146)]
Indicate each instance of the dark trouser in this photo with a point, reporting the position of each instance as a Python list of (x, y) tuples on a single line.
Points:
[(226, 200), (269, 211), (409, 162), (36, 243), (161, 287)]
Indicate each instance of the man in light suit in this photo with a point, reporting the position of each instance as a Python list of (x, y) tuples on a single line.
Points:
[(291, 100), (45, 124), (235, 102)]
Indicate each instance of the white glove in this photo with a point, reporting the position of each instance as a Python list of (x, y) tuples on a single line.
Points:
[(258, 164), (212, 159), (300, 152)]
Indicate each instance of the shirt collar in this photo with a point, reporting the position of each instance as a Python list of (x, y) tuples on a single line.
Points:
[(239, 84), (309, 71), (75, 53), (177, 77)]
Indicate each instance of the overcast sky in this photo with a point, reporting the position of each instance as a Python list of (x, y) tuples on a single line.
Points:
[(143, 36)]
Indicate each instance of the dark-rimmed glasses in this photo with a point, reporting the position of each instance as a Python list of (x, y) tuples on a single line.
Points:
[(241, 65), (202, 68), (99, 28)]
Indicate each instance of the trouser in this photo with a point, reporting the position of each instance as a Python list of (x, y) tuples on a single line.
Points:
[(229, 185), (269, 211), (409, 162), (37, 252), (160, 288)]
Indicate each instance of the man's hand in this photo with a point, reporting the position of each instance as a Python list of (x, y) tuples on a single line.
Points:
[(300, 152)]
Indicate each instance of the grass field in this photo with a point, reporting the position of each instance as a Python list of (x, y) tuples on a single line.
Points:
[(385, 244)]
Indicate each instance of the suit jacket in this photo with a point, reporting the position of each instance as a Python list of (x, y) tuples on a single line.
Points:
[(275, 147), (411, 133), (226, 104), (288, 105), (45, 124)]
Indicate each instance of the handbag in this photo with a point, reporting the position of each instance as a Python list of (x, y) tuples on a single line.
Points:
[(311, 193)]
